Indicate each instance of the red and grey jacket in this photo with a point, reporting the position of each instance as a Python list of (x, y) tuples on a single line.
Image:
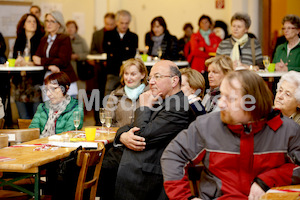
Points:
[(234, 156)]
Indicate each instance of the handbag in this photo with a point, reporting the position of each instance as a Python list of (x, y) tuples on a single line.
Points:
[(85, 71)]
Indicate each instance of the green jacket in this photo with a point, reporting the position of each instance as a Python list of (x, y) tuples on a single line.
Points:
[(294, 57), (65, 120)]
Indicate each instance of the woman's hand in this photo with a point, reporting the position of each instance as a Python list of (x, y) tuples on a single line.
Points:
[(36, 60), (20, 61), (281, 66), (54, 68), (74, 56)]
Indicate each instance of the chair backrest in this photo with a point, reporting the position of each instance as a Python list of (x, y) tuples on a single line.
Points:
[(24, 123), (21, 135), (2, 122), (86, 159), (3, 141)]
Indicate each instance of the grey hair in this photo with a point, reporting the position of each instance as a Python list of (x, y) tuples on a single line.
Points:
[(242, 16), (58, 16), (292, 77), (123, 13), (175, 72), (294, 19)]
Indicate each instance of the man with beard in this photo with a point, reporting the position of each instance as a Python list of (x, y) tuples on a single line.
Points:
[(246, 149)]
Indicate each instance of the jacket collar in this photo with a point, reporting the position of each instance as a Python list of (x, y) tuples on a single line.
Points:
[(273, 120)]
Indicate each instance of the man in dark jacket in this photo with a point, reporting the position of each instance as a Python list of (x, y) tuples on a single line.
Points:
[(120, 44), (163, 112)]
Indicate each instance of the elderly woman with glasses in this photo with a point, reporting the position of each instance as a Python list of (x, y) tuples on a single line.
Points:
[(56, 115), (287, 55), (287, 98), (124, 100), (55, 50)]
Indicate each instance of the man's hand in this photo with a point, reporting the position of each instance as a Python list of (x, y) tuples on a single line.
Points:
[(281, 66), (147, 99), (74, 56), (133, 142), (255, 192), (36, 60), (54, 68)]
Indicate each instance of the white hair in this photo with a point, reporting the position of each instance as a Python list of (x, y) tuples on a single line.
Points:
[(123, 13), (58, 16), (292, 77)]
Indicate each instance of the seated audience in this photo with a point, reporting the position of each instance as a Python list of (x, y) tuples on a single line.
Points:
[(160, 39), (287, 98), (184, 45), (80, 49), (27, 91), (220, 29), (193, 86), (55, 50), (246, 149), (56, 115), (243, 49), (202, 43), (124, 100), (161, 115), (2, 49), (287, 54), (218, 67)]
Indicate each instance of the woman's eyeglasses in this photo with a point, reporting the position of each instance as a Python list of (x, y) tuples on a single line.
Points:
[(288, 28), (50, 21), (49, 88)]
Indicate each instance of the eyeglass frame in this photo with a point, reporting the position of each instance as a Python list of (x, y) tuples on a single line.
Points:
[(51, 89), (158, 77), (288, 28), (51, 21)]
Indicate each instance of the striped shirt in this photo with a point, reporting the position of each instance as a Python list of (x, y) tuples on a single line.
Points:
[(225, 48)]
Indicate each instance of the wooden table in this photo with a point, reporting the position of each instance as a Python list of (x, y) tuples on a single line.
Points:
[(291, 192), (29, 162)]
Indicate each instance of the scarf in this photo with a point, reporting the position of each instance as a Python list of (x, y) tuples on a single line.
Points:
[(212, 102), (55, 111), (205, 35), (134, 93), (50, 41), (235, 53), (157, 40)]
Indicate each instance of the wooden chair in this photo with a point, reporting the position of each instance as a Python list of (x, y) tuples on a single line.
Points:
[(2, 122), (194, 174), (3, 141), (86, 159), (24, 123), (21, 135)]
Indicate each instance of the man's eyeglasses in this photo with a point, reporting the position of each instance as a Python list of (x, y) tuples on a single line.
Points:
[(157, 77), (288, 28), (50, 21), (49, 88)]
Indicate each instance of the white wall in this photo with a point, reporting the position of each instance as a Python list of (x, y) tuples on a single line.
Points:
[(70, 8)]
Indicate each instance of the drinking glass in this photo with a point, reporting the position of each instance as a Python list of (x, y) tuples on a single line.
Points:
[(76, 119), (108, 119), (266, 61), (102, 116), (159, 52), (26, 56)]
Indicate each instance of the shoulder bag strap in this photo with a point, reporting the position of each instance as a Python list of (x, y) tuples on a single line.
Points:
[(253, 50)]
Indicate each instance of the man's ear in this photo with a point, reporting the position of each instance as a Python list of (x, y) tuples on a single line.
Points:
[(175, 81)]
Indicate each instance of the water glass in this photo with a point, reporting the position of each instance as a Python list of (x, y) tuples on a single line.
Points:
[(266, 61), (108, 119), (102, 116), (76, 119)]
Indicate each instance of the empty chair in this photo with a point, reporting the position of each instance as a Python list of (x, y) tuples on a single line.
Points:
[(2, 122), (24, 123), (21, 135), (3, 141), (86, 159)]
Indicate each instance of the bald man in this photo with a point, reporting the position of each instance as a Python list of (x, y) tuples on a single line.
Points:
[(163, 113)]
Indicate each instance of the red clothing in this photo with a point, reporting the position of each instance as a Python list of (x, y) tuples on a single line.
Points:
[(197, 57)]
